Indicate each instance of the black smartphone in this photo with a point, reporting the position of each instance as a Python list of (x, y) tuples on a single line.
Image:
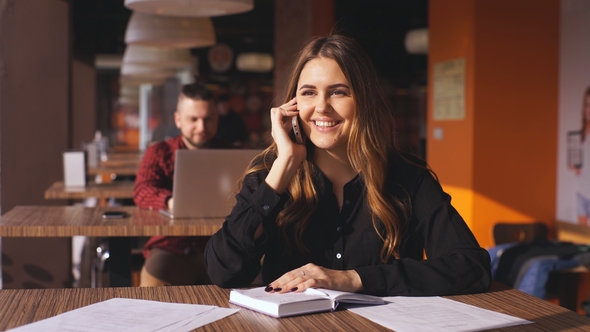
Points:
[(296, 134), (115, 214)]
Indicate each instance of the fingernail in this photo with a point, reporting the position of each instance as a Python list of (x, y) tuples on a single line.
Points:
[(294, 289), (268, 289), (278, 289)]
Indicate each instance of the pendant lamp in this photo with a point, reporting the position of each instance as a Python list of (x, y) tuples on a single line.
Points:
[(167, 57), (169, 31), (195, 8), (416, 41), (255, 62)]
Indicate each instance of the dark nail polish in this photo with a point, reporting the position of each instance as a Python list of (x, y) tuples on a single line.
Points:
[(278, 289), (294, 289), (268, 289)]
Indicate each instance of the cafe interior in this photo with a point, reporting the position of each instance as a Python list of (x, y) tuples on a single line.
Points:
[(102, 78)]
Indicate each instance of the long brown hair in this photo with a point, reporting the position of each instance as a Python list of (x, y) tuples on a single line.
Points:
[(371, 140)]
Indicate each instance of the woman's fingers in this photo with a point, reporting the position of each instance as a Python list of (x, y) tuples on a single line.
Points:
[(311, 275), (281, 125), (298, 280)]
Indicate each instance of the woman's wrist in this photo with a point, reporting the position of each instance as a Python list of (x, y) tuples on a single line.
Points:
[(355, 281), (281, 173)]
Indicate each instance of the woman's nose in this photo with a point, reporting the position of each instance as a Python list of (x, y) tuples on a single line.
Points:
[(322, 106)]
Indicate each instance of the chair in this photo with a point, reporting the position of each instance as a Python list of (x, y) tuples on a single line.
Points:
[(562, 284), (519, 232)]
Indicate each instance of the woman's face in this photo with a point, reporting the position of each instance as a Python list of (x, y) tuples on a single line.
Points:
[(326, 104)]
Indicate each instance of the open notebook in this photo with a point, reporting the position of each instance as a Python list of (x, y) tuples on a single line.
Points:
[(205, 182)]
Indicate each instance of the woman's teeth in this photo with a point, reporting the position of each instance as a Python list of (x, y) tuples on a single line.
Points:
[(325, 123)]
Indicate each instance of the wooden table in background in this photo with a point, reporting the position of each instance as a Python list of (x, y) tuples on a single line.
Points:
[(66, 221), (112, 172), (23, 306), (102, 191)]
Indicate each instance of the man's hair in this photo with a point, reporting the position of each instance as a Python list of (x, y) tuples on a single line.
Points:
[(196, 91)]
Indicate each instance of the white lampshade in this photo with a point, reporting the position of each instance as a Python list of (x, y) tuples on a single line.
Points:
[(157, 56), (143, 71), (169, 31), (255, 62), (193, 8), (417, 41)]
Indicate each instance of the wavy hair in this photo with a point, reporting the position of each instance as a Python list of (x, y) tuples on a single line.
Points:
[(371, 140)]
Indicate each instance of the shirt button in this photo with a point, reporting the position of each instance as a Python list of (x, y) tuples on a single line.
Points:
[(266, 208), (338, 229), (338, 255), (347, 202)]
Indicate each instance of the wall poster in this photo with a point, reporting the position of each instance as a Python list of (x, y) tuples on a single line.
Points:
[(573, 163), (449, 90)]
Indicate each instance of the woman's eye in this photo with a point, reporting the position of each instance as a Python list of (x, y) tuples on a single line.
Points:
[(339, 92), (307, 93)]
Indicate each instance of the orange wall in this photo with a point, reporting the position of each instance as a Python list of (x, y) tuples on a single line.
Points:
[(499, 163)]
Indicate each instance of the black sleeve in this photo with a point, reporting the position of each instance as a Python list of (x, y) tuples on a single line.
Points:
[(455, 263), (231, 255)]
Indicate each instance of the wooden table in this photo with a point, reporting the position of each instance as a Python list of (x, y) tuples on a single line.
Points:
[(113, 171), (23, 306), (62, 221), (118, 189), (121, 159), (116, 165)]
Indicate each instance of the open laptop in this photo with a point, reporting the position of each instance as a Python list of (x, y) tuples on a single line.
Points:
[(205, 182)]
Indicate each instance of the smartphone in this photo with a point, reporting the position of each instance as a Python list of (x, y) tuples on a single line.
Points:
[(296, 135), (114, 214)]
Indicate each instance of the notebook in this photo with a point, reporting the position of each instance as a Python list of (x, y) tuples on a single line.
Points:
[(205, 182)]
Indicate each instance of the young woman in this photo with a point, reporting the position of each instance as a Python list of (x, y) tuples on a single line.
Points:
[(346, 210)]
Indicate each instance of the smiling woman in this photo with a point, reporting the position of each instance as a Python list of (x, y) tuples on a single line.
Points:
[(326, 105), (347, 210)]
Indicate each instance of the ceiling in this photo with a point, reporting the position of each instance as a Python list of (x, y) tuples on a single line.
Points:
[(379, 25)]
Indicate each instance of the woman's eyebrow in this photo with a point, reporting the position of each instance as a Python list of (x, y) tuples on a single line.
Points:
[(337, 85)]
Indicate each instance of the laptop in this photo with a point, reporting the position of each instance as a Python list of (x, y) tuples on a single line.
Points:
[(205, 182)]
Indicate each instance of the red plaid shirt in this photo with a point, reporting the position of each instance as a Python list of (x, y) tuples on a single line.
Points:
[(153, 187)]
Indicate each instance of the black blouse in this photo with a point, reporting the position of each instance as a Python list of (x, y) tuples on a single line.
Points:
[(346, 239)]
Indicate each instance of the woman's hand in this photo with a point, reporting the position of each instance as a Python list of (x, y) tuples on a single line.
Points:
[(311, 275), (290, 154)]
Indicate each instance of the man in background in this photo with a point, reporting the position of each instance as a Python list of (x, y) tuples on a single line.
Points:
[(174, 260)]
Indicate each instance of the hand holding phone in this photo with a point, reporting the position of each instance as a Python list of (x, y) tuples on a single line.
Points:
[(296, 135)]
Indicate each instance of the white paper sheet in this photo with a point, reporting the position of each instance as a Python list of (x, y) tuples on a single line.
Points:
[(433, 314), (119, 315)]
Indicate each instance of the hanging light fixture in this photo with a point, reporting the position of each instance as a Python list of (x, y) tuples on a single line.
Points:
[(417, 41), (194, 8), (169, 31), (255, 62), (168, 57)]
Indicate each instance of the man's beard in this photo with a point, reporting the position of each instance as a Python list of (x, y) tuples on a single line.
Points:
[(193, 144)]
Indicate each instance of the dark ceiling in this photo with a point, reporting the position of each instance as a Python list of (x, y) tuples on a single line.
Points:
[(379, 25)]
